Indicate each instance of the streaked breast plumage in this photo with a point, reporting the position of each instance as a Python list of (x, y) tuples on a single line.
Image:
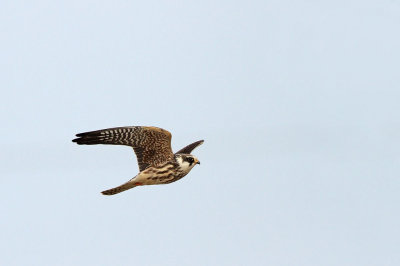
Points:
[(152, 146)]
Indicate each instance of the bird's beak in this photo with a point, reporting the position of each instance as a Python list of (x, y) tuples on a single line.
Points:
[(198, 162)]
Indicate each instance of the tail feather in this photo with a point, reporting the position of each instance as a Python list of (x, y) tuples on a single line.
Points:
[(119, 189)]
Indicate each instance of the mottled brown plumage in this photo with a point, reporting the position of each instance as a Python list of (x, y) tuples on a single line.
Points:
[(152, 146)]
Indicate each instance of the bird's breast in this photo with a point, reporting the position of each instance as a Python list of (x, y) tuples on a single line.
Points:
[(161, 175)]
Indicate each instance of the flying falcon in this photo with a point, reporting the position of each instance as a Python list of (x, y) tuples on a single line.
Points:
[(152, 146)]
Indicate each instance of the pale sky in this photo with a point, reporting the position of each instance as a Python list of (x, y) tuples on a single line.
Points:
[(297, 101)]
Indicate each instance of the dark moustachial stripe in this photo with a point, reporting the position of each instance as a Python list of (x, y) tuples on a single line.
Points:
[(152, 146)]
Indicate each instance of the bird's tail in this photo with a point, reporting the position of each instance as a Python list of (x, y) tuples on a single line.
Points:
[(128, 185)]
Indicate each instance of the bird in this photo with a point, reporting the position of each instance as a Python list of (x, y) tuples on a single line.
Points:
[(152, 146)]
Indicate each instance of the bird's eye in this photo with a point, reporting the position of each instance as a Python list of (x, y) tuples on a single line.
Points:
[(190, 160)]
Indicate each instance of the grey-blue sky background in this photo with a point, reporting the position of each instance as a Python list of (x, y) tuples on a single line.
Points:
[(298, 103)]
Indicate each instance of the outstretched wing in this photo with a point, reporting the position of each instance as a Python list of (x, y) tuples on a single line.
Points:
[(189, 148), (152, 145)]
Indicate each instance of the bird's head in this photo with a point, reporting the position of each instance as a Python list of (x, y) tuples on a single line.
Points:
[(186, 161)]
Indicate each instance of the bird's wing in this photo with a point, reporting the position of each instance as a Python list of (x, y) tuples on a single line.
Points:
[(152, 145), (189, 148)]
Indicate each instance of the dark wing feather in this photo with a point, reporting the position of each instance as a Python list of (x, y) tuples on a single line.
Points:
[(152, 145), (189, 148)]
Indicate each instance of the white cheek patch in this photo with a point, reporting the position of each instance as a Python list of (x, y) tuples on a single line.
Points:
[(179, 160), (185, 166)]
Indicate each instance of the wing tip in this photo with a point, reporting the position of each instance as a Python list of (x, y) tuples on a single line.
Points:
[(87, 141), (79, 138), (92, 137), (199, 142), (189, 148)]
